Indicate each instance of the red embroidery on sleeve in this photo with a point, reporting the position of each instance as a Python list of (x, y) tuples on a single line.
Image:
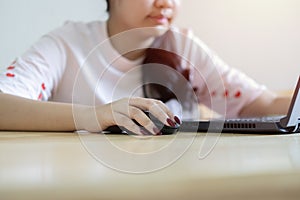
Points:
[(226, 93), (43, 86), (10, 75), (11, 67), (40, 96), (238, 94)]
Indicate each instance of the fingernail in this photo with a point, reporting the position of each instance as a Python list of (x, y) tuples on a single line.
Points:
[(157, 131), (170, 122), (177, 120)]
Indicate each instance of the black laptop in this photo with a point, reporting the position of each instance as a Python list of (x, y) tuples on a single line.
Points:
[(289, 123)]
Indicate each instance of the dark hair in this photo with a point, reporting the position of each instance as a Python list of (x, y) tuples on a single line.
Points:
[(108, 5), (165, 75)]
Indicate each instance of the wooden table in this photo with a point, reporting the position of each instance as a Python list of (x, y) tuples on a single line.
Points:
[(96, 166)]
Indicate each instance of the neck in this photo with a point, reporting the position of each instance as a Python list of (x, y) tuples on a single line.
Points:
[(130, 43)]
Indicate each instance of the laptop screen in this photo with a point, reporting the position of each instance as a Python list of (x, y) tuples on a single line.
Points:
[(293, 115)]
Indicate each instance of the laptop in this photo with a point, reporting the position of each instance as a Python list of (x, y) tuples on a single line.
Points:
[(290, 123)]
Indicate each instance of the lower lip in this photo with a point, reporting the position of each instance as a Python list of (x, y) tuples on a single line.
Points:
[(162, 20)]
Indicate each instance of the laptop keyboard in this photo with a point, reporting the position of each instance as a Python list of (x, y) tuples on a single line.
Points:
[(257, 119)]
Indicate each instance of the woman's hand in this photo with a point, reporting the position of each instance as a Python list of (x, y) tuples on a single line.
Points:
[(124, 111)]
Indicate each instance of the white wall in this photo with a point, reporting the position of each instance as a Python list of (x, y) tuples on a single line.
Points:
[(260, 37), (22, 22)]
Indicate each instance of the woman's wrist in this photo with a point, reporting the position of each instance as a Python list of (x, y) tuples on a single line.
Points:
[(85, 118)]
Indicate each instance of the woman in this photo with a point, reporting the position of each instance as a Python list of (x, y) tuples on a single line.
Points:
[(58, 70)]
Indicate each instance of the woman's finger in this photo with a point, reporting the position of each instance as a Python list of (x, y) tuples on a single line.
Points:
[(127, 123), (157, 109), (140, 117)]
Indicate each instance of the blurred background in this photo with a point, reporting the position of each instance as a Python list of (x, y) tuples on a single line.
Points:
[(259, 37)]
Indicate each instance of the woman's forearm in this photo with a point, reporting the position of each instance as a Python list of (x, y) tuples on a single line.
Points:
[(29, 115), (20, 114), (267, 104)]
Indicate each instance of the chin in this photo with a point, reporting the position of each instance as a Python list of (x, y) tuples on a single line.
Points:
[(157, 31)]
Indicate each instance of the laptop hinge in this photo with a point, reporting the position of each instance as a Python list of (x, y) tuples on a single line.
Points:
[(284, 123)]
